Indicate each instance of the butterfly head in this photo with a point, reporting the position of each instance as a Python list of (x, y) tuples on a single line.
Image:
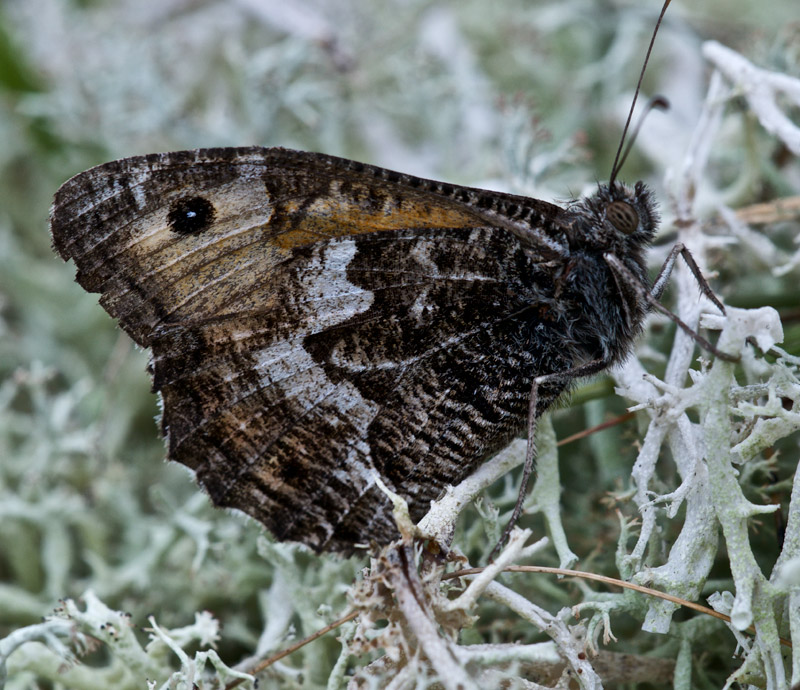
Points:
[(617, 218)]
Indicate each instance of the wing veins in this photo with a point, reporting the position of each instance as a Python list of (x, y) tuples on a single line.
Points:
[(427, 353)]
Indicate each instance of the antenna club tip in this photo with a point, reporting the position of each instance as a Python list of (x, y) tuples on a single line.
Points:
[(660, 102)]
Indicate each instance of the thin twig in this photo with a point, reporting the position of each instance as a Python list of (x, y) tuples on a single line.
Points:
[(594, 429), (607, 580), (289, 650), (510, 569)]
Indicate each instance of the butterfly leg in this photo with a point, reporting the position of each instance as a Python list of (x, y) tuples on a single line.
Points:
[(563, 378), (651, 296), (666, 270)]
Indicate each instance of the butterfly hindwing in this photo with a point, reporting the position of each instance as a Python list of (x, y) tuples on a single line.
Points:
[(299, 404)]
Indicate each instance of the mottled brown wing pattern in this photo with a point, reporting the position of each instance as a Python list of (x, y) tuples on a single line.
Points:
[(316, 322), (418, 394)]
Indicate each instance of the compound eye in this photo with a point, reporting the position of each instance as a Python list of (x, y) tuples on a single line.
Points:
[(622, 216)]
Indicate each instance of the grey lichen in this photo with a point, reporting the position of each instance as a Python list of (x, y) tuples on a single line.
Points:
[(517, 97)]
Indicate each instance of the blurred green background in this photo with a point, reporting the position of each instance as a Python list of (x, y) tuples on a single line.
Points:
[(527, 97)]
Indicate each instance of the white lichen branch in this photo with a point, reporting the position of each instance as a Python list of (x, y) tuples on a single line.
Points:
[(762, 89), (399, 572), (512, 553), (567, 640)]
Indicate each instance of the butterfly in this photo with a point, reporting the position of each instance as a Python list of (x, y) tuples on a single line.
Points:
[(316, 324)]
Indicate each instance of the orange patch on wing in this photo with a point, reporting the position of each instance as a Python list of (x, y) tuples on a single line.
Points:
[(359, 214)]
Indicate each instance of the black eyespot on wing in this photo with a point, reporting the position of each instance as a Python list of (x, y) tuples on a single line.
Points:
[(622, 216), (190, 216)]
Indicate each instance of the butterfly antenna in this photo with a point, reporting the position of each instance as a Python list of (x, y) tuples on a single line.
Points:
[(617, 160), (655, 103)]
